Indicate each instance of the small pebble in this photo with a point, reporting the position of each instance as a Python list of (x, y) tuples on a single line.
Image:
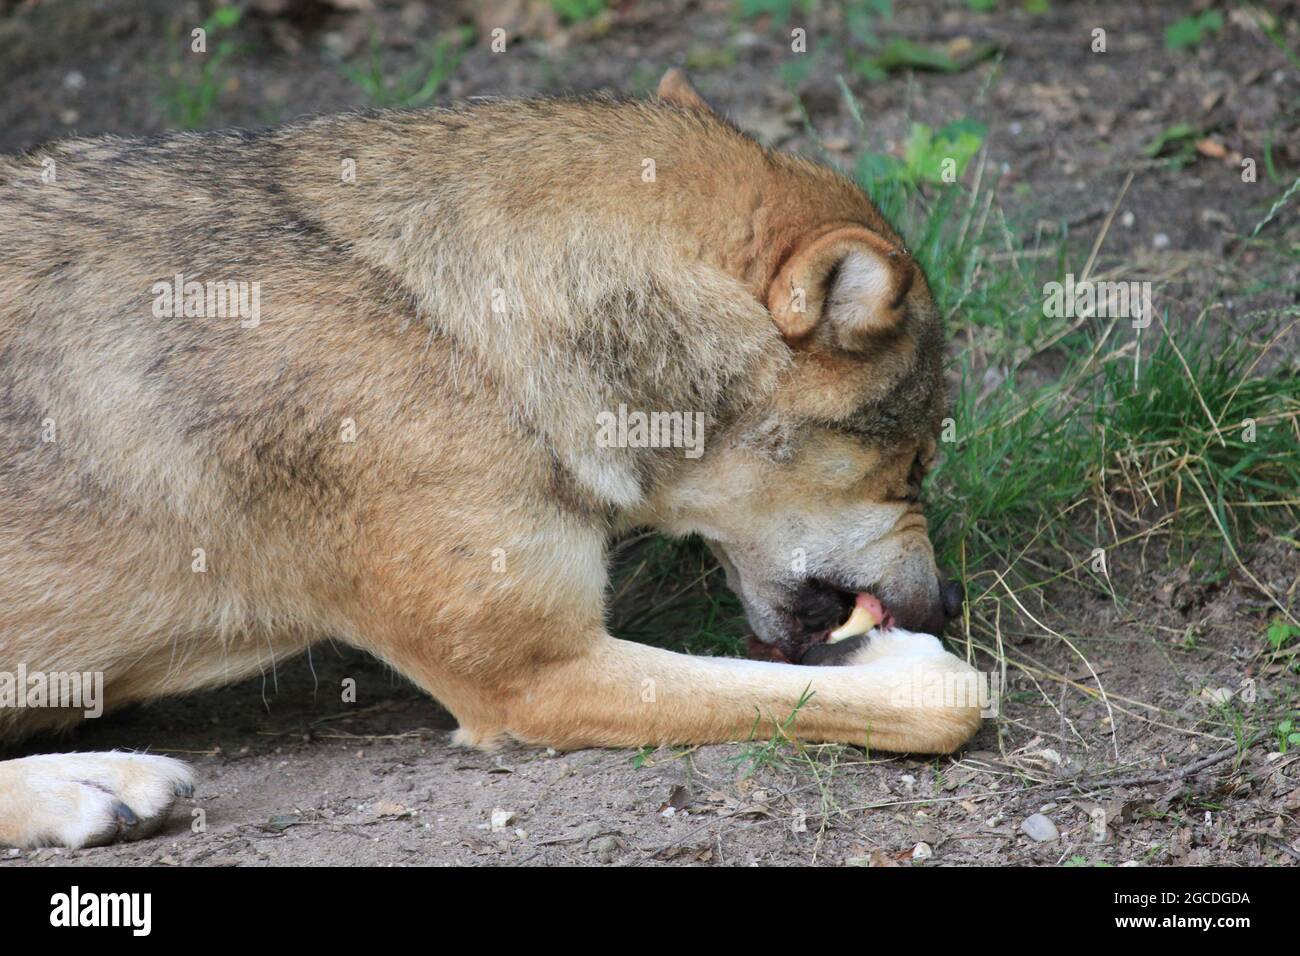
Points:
[(1040, 829), (606, 848)]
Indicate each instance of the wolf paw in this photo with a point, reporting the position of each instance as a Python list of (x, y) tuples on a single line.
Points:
[(87, 799)]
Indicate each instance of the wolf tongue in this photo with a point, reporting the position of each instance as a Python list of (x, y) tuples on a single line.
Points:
[(867, 613)]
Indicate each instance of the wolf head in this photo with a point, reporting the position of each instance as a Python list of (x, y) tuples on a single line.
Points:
[(811, 495)]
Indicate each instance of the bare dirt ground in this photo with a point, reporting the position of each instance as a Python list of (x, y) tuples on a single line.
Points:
[(290, 774)]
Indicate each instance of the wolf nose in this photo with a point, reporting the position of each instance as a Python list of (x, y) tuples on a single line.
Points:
[(953, 595)]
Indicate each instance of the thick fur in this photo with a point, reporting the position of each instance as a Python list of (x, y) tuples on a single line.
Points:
[(496, 277)]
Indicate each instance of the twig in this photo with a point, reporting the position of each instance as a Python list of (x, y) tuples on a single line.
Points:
[(1285, 848), (1105, 229), (1167, 776)]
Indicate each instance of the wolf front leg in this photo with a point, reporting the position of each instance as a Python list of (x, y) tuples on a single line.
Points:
[(906, 694)]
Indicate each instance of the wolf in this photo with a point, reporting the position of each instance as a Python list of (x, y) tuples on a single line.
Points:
[(402, 451)]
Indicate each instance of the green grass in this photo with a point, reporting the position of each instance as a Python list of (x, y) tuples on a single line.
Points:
[(1140, 436), (578, 11), (671, 593), (411, 86), (758, 754), (779, 10), (1282, 644), (1191, 31), (193, 81), (1288, 733)]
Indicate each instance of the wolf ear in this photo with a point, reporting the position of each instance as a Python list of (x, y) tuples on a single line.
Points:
[(675, 88), (848, 281)]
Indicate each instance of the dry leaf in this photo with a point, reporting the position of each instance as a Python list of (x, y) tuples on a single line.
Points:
[(1211, 147)]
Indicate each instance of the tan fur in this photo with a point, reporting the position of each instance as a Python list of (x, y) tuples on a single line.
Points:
[(462, 536)]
